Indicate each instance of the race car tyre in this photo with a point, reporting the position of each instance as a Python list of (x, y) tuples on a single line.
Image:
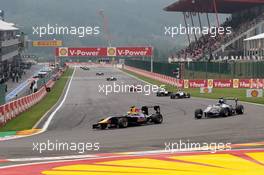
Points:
[(172, 97), (188, 95), (103, 126), (175, 96), (122, 122), (240, 109), (198, 114), (157, 118), (230, 112), (224, 112)]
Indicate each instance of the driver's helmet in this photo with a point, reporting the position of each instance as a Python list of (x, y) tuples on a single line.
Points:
[(221, 101), (133, 110), (179, 90)]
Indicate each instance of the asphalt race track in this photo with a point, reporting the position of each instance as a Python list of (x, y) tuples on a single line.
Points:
[(85, 105)]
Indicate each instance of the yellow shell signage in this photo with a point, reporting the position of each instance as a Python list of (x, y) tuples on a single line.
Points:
[(111, 51), (47, 43), (210, 83), (63, 52)]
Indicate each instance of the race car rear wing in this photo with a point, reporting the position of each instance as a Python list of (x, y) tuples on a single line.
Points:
[(145, 109), (231, 99)]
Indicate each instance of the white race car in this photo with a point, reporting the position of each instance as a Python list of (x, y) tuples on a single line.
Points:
[(221, 109)]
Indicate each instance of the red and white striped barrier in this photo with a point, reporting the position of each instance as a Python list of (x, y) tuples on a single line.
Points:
[(159, 77), (210, 83), (12, 109)]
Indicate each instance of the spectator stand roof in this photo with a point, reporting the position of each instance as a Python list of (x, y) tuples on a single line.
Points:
[(257, 37), (207, 6), (5, 26)]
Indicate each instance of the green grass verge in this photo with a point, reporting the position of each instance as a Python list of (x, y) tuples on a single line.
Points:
[(29, 118), (195, 92)]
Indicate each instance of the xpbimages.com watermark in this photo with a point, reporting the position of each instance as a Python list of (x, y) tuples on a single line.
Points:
[(79, 31), (57, 146), (181, 145), (130, 88), (174, 31)]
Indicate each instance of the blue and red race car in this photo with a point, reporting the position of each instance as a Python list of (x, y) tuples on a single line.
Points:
[(134, 116)]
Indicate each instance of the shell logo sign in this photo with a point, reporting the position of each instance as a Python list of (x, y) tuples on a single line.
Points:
[(63, 52), (255, 93), (186, 84), (235, 83), (111, 51), (210, 83), (206, 90)]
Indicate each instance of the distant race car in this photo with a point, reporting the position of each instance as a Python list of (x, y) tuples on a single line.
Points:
[(180, 94), (133, 117), (221, 109), (111, 79), (163, 93), (85, 68), (99, 73)]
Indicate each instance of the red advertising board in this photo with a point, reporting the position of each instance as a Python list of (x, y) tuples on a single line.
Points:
[(244, 83), (223, 83), (104, 52), (81, 52), (134, 51), (261, 83), (180, 83), (256, 83), (197, 83)]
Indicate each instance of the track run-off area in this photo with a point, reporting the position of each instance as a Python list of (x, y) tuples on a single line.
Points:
[(122, 151)]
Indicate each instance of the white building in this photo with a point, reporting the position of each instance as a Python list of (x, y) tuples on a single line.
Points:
[(254, 46), (9, 48)]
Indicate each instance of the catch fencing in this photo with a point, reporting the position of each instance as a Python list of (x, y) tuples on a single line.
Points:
[(199, 83), (204, 70)]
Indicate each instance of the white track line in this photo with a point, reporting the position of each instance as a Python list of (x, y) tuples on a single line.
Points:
[(62, 161), (47, 123), (119, 155), (52, 158)]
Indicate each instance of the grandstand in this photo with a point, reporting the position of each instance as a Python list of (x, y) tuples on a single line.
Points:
[(11, 46), (246, 19)]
